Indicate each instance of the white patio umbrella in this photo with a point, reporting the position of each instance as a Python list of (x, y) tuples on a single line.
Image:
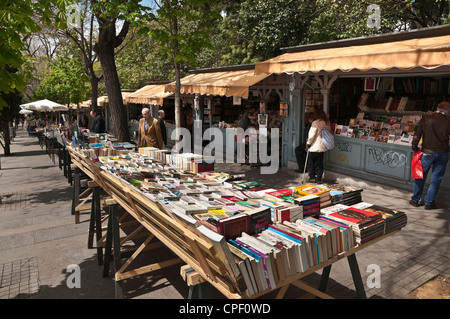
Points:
[(25, 111), (44, 105)]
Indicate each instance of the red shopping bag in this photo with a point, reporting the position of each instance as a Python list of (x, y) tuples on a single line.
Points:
[(416, 165)]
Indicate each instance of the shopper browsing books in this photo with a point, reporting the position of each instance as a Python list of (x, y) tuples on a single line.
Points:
[(98, 123), (249, 117), (83, 120), (149, 131), (434, 130), (315, 146)]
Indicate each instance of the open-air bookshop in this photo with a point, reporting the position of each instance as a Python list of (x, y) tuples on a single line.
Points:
[(263, 236), (388, 111)]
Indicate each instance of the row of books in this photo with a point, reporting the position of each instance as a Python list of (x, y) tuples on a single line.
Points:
[(406, 105), (96, 150), (265, 235), (285, 249), (186, 161), (397, 130)]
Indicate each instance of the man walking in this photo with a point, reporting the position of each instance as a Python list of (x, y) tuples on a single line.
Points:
[(434, 130)]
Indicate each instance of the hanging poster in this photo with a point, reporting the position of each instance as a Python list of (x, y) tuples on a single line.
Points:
[(283, 109), (262, 120), (370, 84), (262, 107)]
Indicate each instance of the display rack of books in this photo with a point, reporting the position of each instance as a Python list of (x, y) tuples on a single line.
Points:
[(313, 97), (380, 128), (260, 238)]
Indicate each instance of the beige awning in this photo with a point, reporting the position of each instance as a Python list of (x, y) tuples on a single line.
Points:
[(103, 100), (426, 53), (223, 83), (149, 94)]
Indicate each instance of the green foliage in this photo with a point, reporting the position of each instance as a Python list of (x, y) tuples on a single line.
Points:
[(142, 61), (65, 76), (181, 27), (16, 22)]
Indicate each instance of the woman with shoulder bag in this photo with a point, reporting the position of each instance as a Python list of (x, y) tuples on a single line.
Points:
[(315, 146)]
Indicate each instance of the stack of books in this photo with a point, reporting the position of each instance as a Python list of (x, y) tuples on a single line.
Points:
[(310, 205), (343, 194), (308, 189), (394, 219), (366, 225)]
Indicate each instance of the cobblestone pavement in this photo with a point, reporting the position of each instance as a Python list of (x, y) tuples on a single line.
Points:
[(19, 279)]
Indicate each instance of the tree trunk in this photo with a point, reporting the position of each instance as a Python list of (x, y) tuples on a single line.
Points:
[(94, 91), (105, 51), (177, 98), (7, 142)]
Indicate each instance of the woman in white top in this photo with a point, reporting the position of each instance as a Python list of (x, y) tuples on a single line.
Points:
[(315, 146)]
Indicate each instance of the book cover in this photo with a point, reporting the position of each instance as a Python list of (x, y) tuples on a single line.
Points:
[(281, 193), (356, 216), (248, 184), (290, 214), (309, 189), (260, 219), (288, 198), (234, 226), (247, 204)]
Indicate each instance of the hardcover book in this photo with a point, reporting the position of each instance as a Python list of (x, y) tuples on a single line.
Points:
[(234, 226), (260, 219)]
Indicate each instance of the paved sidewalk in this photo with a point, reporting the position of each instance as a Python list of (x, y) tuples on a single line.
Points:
[(39, 239)]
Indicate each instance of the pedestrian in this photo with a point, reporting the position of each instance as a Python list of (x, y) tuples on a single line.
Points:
[(434, 131), (315, 146), (149, 131), (83, 120), (250, 116), (300, 151), (98, 123), (162, 115)]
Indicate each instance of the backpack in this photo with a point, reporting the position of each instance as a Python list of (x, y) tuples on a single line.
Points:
[(327, 139)]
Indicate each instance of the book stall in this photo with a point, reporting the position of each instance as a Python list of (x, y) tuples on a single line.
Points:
[(375, 91), (244, 238), (376, 136)]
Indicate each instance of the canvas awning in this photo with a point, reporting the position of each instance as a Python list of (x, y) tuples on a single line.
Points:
[(223, 83), (419, 53), (149, 94)]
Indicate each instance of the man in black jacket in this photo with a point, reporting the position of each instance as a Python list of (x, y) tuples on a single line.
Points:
[(162, 115), (98, 124), (434, 130)]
